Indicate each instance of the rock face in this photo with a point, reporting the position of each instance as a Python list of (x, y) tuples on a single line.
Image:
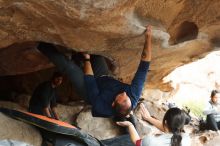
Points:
[(101, 128), (13, 142), (155, 95), (155, 110), (207, 138), (67, 112), (10, 105), (16, 130), (112, 28), (213, 142), (183, 31)]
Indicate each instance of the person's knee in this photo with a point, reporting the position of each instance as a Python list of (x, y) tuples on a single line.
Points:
[(211, 122), (210, 117)]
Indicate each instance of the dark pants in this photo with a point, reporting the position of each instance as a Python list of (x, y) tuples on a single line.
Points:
[(71, 70), (39, 111), (211, 123)]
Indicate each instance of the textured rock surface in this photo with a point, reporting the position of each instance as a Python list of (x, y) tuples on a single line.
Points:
[(155, 110), (11, 105), (207, 138), (110, 28), (101, 128), (145, 128), (67, 112), (213, 142), (16, 130), (11, 129), (12, 142), (155, 95)]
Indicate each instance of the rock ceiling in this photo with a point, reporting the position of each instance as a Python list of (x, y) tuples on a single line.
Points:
[(183, 30)]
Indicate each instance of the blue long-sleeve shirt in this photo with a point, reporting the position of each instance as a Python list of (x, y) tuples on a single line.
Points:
[(102, 91)]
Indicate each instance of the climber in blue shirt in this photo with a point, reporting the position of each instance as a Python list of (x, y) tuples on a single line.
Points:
[(108, 96)]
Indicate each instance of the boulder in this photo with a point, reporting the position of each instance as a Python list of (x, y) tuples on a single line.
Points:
[(23, 100), (154, 95), (13, 142), (156, 110), (101, 128), (145, 128), (205, 138), (11, 105), (68, 113), (213, 142), (182, 31), (16, 130)]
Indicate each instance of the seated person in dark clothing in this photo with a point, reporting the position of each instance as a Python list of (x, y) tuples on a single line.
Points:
[(43, 100), (108, 96), (212, 111)]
